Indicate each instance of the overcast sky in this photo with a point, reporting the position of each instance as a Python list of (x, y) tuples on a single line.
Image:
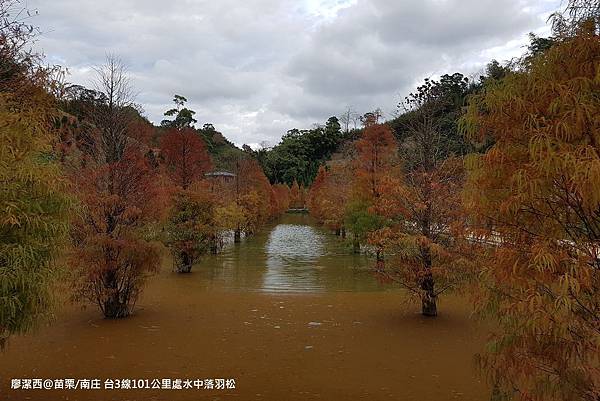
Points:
[(256, 68)]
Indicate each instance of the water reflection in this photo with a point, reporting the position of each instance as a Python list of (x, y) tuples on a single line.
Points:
[(293, 255), (293, 252)]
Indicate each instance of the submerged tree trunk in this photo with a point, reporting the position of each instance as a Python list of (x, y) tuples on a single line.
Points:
[(184, 264), (216, 244), (114, 307), (355, 245), (428, 299), (379, 260), (115, 304)]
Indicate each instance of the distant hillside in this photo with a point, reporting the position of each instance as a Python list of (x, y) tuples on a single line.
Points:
[(78, 101), (223, 152)]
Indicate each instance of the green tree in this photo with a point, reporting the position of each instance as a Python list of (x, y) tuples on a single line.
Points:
[(300, 153), (360, 222), (183, 117)]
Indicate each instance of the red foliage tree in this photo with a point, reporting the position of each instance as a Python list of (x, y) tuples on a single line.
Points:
[(185, 155), (111, 256), (118, 191), (315, 194), (142, 131), (376, 159)]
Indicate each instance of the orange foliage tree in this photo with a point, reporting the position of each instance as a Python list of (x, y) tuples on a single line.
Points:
[(315, 194), (295, 196), (280, 199), (329, 196), (421, 200), (535, 200), (421, 238), (253, 194), (376, 159), (377, 155), (251, 199)]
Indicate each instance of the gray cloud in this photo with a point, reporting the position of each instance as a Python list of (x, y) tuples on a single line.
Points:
[(258, 68)]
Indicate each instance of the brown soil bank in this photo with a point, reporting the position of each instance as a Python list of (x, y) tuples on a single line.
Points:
[(335, 346)]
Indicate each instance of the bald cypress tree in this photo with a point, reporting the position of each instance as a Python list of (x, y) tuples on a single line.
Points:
[(32, 201), (535, 198)]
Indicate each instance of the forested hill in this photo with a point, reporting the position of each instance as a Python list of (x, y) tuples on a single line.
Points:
[(300, 152), (223, 152), (78, 100)]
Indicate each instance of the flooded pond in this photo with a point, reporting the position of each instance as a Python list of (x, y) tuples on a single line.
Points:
[(291, 255), (290, 314)]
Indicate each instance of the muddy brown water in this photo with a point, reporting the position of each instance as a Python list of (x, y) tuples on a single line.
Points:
[(288, 314)]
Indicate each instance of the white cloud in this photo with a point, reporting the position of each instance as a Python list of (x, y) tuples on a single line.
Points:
[(260, 67)]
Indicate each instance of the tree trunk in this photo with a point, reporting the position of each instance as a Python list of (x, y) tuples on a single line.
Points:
[(114, 308), (237, 236), (343, 232), (379, 261), (355, 245), (184, 264), (215, 244), (338, 232), (498, 394), (114, 304), (428, 299)]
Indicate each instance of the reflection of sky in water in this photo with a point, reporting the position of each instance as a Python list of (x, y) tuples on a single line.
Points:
[(292, 255)]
